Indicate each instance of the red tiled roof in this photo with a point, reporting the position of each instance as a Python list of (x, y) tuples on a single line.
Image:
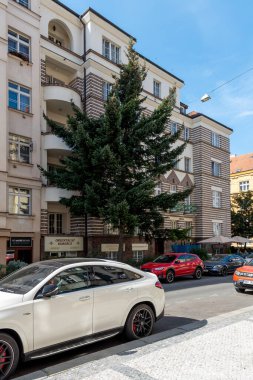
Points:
[(241, 163)]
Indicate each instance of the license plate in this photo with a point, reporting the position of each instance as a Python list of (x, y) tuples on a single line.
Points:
[(248, 282), (205, 270)]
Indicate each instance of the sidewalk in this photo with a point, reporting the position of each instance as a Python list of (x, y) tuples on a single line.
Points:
[(219, 348)]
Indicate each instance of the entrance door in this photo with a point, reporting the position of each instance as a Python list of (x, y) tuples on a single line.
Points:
[(68, 315)]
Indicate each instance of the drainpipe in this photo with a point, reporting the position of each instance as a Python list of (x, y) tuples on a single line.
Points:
[(86, 246)]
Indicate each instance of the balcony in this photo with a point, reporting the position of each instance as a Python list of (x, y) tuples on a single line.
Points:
[(182, 208), (57, 90), (54, 194), (52, 142)]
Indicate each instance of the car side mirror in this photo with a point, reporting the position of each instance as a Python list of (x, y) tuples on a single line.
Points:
[(177, 262), (49, 290)]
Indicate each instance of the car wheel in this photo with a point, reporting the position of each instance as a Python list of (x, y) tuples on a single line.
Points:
[(140, 322), (198, 274), (170, 276), (224, 272), (9, 355), (240, 290)]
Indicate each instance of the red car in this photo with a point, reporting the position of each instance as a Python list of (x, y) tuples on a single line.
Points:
[(171, 265)]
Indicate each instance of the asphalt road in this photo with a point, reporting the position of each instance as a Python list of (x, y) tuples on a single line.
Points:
[(187, 301)]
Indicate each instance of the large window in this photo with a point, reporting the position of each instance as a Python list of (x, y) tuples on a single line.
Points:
[(244, 185), (24, 3), (187, 164), (20, 149), (18, 45), (111, 255), (111, 51), (216, 169), (19, 201), (173, 128), (55, 223), (138, 255), (19, 97), (217, 228), (157, 89), (186, 133), (216, 199), (106, 90), (215, 139)]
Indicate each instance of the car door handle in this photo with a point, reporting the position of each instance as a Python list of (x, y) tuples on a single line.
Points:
[(85, 298), (128, 289)]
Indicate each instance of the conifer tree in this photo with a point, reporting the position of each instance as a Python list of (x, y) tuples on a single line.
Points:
[(117, 160)]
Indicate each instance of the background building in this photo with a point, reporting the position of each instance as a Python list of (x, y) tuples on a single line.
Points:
[(241, 173), (51, 55)]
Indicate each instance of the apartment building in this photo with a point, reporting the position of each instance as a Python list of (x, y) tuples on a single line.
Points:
[(50, 56), (241, 173)]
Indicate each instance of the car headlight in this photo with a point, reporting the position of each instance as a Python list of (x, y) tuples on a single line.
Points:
[(217, 267), (238, 273), (159, 268)]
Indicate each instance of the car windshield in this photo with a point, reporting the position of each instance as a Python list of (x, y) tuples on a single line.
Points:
[(165, 259), (23, 280)]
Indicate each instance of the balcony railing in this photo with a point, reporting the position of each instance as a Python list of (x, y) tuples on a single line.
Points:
[(184, 208), (52, 80)]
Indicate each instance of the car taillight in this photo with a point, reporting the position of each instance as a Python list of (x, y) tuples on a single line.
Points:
[(158, 285)]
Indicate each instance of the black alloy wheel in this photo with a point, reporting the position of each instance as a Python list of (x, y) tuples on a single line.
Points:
[(140, 322), (198, 274), (9, 356), (240, 290), (170, 276), (224, 271)]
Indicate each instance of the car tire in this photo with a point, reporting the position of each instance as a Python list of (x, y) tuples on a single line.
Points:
[(170, 276), (224, 272), (197, 274), (10, 349), (140, 322), (240, 290)]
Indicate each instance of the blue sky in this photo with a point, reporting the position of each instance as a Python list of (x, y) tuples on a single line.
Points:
[(203, 42)]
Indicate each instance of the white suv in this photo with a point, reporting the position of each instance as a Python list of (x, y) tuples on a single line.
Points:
[(53, 306)]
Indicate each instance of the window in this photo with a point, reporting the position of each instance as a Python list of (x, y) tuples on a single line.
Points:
[(176, 164), (183, 111), (188, 226), (217, 228), (157, 89), (173, 188), (173, 128), (20, 149), (244, 185), (24, 3), (106, 90), (72, 279), (111, 255), (215, 139), (187, 201), (138, 255), (216, 169), (187, 164), (216, 199), (158, 189), (18, 45), (108, 275), (174, 224), (111, 51), (109, 230), (19, 201), (19, 97), (55, 223), (186, 133)]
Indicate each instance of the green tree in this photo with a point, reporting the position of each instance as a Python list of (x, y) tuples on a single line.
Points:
[(242, 214), (118, 159)]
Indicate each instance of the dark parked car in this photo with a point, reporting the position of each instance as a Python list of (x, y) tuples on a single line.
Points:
[(223, 264)]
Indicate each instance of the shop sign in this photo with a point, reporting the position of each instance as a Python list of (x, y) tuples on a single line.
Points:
[(20, 242), (140, 247), (111, 247), (63, 244)]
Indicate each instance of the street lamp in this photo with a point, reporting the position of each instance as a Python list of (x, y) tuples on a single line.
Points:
[(205, 98)]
